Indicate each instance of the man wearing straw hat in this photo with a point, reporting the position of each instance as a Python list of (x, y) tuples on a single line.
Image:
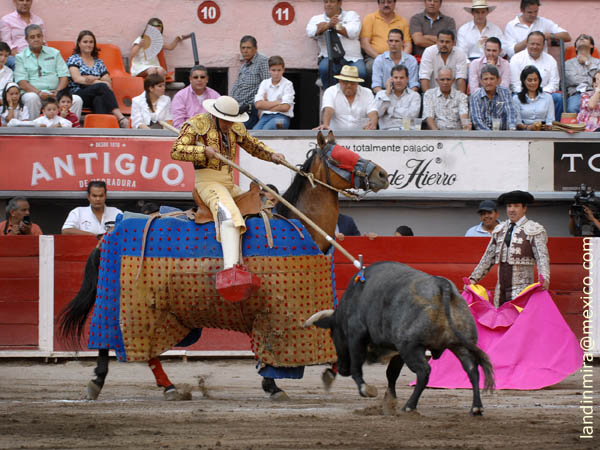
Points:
[(348, 106), (220, 130), (472, 35)]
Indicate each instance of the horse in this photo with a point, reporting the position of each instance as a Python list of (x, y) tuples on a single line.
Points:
[(333, 165)]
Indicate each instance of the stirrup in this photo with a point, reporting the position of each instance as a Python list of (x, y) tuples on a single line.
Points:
[(237, 283)]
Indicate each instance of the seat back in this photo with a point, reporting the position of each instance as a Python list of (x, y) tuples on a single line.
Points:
[(100, 121), (64, 47), (571, 52), (125, 88), (161, 59), (113, 60)]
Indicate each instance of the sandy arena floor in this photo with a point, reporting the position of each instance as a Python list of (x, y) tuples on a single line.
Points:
[(41, 407)]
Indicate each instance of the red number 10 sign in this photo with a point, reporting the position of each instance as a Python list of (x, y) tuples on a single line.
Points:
[(209, 12), (283, 13)]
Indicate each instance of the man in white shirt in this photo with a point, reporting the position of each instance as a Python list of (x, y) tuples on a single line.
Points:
[(472, 35), (517, 30), (444, 108), (347, 24), (535, 55), (91, 219), (443, 54), (348, 106), (397, 104)]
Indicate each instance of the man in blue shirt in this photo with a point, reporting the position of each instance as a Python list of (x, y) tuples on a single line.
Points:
[(492, 101), (382, 67), (489, 219)]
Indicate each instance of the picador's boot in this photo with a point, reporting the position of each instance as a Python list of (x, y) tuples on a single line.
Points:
[(234, 283)]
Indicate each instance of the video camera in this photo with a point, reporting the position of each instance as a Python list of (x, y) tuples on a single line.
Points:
[(584, 197)]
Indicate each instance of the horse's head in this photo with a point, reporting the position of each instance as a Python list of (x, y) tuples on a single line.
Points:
[(345, 169)]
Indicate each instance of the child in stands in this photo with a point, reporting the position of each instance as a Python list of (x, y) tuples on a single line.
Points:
[(275, 98), (141, 66), (50, 117), (65, 101), (6, 74), (12, 106)]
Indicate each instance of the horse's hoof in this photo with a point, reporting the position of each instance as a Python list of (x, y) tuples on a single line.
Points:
[(389, 404), (328, 378), (368, 390), (280, 396), (173, 395), (477, 411), (408, 409), (93, 391)]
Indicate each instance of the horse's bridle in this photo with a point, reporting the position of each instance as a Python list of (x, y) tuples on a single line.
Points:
[(357, 176)]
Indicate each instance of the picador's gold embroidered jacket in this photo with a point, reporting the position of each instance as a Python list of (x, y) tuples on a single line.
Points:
[(201, 131)]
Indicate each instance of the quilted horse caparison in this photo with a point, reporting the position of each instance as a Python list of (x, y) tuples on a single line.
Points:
[(141, 316)]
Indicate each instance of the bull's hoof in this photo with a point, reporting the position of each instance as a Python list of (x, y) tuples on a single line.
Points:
[(389, 404), (477, 411), (368, 390), (279, 396), (328, 378), (93, 391)]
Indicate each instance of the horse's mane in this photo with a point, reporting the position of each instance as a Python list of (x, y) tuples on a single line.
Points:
[(293, 192)]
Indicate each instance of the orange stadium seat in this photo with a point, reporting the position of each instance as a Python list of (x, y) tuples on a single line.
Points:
[(113, 60), (64, 47), (125, 88), (161, 59), (100, 121), (571, 52)]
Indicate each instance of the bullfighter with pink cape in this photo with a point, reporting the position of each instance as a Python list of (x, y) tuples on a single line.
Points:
[(529, 343)]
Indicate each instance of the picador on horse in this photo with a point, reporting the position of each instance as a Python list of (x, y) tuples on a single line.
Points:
[(162, 278)]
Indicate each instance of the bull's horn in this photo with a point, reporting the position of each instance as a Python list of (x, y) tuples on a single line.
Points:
[(318, 316)]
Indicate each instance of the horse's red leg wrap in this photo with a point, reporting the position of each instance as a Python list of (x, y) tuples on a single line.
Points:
[(161, 377)]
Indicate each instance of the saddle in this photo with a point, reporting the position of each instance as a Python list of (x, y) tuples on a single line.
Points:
[(249, 203)]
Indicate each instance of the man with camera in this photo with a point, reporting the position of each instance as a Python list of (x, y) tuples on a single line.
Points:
[(583, 220), (17, 220)]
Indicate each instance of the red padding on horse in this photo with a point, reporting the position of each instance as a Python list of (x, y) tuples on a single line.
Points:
[(347, 159), (161, 377)]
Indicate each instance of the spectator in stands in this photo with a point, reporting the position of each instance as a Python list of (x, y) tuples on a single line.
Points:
[(492, 101), (275, 98), (90, 79), (534, 55), (473, 35), (393, 57), (12, 28), (488, 213), (141, 66), (65, 101), (6, 73), (12, 105), (348, 106), (254, 69), (152, 105), (17, 220), (403, 230), (91, 219), (532, 105), (517, 30), (347, 25), (590, 107), (346, 226), (425, 26), (397, 103), (493, 48), (375, 31), (188, 101), (50, 117), (41, 72), (579, 72), (444, 107), (443, 54)]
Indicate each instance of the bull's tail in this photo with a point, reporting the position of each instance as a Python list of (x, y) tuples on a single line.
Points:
[(481, 357), (73, 317)]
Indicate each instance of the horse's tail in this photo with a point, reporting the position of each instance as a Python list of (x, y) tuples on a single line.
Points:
[(73, 317)]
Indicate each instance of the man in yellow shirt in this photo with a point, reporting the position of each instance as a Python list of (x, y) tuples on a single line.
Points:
[(375, 29)]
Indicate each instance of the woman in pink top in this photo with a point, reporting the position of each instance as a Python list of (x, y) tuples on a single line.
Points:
[(188, 101), (590, 107)]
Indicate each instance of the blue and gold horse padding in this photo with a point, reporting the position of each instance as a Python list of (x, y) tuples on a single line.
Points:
[(175, 291)]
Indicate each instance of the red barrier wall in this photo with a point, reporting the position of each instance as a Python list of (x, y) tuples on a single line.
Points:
[(451, 257)]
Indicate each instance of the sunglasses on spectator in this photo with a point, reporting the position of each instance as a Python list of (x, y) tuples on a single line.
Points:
[(195, 77)]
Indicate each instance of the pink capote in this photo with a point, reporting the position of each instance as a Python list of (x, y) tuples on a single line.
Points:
[(530, 349)]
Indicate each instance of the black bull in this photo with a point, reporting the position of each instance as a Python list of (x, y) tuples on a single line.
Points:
[(401, 311)]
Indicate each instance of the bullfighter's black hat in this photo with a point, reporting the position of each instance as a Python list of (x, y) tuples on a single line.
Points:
[(522, 197)]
